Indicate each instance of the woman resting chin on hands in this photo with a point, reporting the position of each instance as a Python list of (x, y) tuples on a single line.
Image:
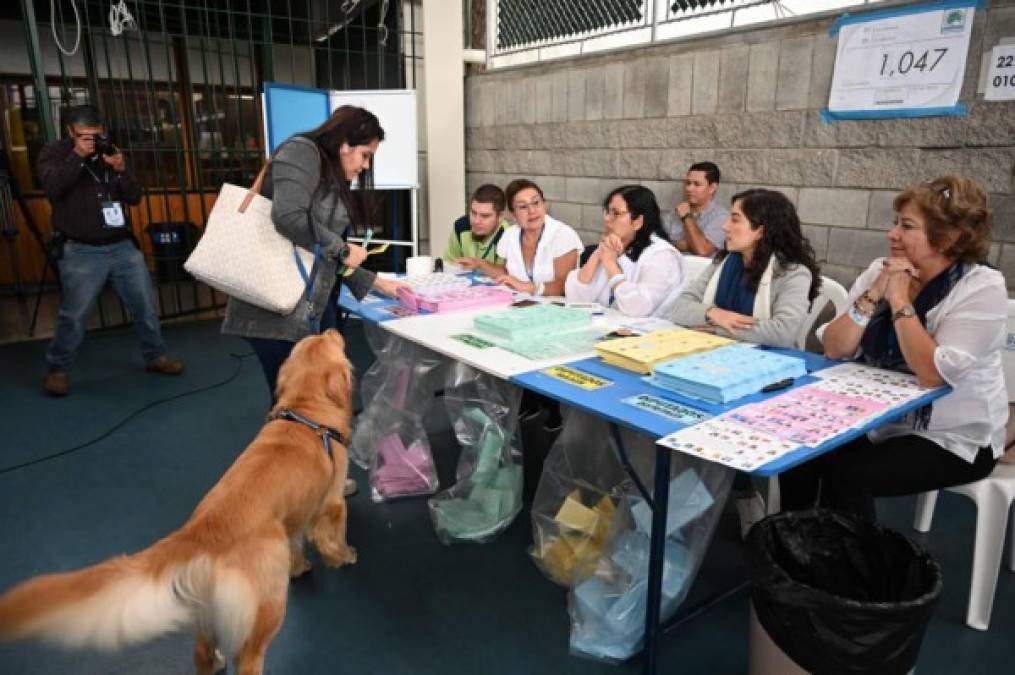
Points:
[(934, 309), (635, 268)]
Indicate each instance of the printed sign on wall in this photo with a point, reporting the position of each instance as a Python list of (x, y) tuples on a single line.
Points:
[(1001, 80), (905, 62)]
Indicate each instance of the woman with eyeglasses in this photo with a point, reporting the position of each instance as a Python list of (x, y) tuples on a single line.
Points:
[(760, 285), (635, 267), (539, 250), (935, 309)]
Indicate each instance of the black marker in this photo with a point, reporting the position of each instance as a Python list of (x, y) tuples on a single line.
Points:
[(776, 386)]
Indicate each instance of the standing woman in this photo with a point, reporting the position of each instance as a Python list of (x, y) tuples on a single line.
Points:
[(539, 250), (760, 286), (934, 309), (309, 182), (635, 267)]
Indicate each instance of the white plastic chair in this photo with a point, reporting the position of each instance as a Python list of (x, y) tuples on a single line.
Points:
[(831, 292), (993, 497), (692, 267)]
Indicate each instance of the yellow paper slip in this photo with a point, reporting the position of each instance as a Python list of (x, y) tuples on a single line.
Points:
[(576, 516), (642, 352)]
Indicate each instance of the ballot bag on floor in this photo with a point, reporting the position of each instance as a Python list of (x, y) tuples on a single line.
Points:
[(577, 498), (608, 601), (389, 437), (487, 494)]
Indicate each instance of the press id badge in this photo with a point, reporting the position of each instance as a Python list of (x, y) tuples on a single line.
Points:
[(112, 214)]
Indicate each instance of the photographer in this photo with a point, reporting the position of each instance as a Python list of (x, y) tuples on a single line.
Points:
[(90, 186)]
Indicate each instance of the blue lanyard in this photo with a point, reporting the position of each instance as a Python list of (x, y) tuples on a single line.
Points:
[(531, 272), (312, 318)]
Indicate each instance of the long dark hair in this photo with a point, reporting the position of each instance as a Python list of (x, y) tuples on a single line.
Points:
[(354, 126), (782, 236), (640, 202)]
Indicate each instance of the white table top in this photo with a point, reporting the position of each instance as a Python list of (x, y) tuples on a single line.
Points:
[(434, 331)]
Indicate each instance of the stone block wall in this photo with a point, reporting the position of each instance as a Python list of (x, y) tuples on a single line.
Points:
[(750, 102)]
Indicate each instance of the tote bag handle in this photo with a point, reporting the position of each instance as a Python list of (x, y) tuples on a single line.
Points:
[(255, 189)]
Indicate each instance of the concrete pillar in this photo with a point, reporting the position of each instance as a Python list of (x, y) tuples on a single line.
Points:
[(444, 112)]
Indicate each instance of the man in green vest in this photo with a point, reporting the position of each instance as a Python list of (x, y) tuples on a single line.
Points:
[(474, 238)]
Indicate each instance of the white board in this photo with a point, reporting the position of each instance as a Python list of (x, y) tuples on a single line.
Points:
[(396, 163)]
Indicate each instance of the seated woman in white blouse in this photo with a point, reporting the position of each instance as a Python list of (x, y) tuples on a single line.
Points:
[(932, 308), (761, 284), (635, 267), (539, 250)]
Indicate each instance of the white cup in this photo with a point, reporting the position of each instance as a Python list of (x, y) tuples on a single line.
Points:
[(419, 265)]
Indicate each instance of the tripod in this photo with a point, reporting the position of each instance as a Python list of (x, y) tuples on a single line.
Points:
[(9, 231), (10, 196)]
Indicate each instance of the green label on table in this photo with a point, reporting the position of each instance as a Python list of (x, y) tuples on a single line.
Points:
[(667, 409), (473, 341), (577, 377)]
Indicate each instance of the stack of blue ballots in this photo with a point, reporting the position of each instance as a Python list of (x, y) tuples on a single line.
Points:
[(727, 373), (608, 608), (533, 321)]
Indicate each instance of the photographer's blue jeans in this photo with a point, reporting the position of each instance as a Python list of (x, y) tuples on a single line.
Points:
[(84, 271)]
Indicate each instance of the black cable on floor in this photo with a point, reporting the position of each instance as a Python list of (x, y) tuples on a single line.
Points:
[(239, 366)]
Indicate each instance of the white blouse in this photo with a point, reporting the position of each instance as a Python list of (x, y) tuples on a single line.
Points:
[(658, 274), (970, 328), (556, 240)]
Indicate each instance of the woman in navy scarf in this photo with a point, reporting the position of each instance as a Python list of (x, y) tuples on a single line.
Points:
[(932, 308), (761, 284)]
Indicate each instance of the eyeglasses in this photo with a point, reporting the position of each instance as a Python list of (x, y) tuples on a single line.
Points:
[(530, 206), (613, 213)]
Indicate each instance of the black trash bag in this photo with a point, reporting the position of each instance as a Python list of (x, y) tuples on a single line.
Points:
[(839, 594)]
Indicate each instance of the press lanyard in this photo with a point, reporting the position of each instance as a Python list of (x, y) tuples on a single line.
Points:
[(493, 240), (104, 181), (531, 272)]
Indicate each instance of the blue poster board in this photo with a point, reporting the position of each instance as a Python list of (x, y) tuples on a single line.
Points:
[(289, 110)]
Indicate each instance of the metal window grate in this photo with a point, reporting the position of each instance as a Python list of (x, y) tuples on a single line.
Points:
[(522, 31), (182, 94), (529, 22)]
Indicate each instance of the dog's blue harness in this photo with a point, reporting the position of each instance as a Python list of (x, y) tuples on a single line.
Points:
[(326, 433)]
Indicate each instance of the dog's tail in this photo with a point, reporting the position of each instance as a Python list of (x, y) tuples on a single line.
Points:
[(125, 600)]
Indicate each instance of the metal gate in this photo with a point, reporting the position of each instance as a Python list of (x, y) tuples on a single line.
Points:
[(179, 82)]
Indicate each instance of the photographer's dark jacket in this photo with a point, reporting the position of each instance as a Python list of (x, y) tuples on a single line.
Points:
[(75, 193), (293, 183)]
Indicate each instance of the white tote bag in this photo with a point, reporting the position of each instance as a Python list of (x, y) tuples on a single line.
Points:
[(242, 255)]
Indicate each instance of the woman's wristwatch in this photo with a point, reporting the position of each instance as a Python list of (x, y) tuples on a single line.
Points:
[(904, 312)]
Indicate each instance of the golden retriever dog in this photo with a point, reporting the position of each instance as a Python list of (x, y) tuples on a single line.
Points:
[(225, 573)]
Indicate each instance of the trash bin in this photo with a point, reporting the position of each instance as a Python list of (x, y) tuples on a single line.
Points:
[(172, 243), (840, 595)]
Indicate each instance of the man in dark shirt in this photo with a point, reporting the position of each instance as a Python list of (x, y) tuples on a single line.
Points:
[(89, 191)]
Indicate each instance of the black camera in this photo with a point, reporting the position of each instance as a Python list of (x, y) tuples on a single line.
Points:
[(104, 145)]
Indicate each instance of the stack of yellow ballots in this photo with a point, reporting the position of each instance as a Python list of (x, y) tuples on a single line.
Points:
[(643, 352)]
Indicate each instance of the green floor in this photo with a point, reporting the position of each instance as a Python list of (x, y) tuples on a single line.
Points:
[(412, 605)]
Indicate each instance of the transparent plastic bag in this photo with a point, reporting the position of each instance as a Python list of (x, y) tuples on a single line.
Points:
[(487, 494), (390, 438), (403, 465), (576, 500), (607, 605)]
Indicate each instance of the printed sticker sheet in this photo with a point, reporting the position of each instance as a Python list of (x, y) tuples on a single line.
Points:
[(846, 397)]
